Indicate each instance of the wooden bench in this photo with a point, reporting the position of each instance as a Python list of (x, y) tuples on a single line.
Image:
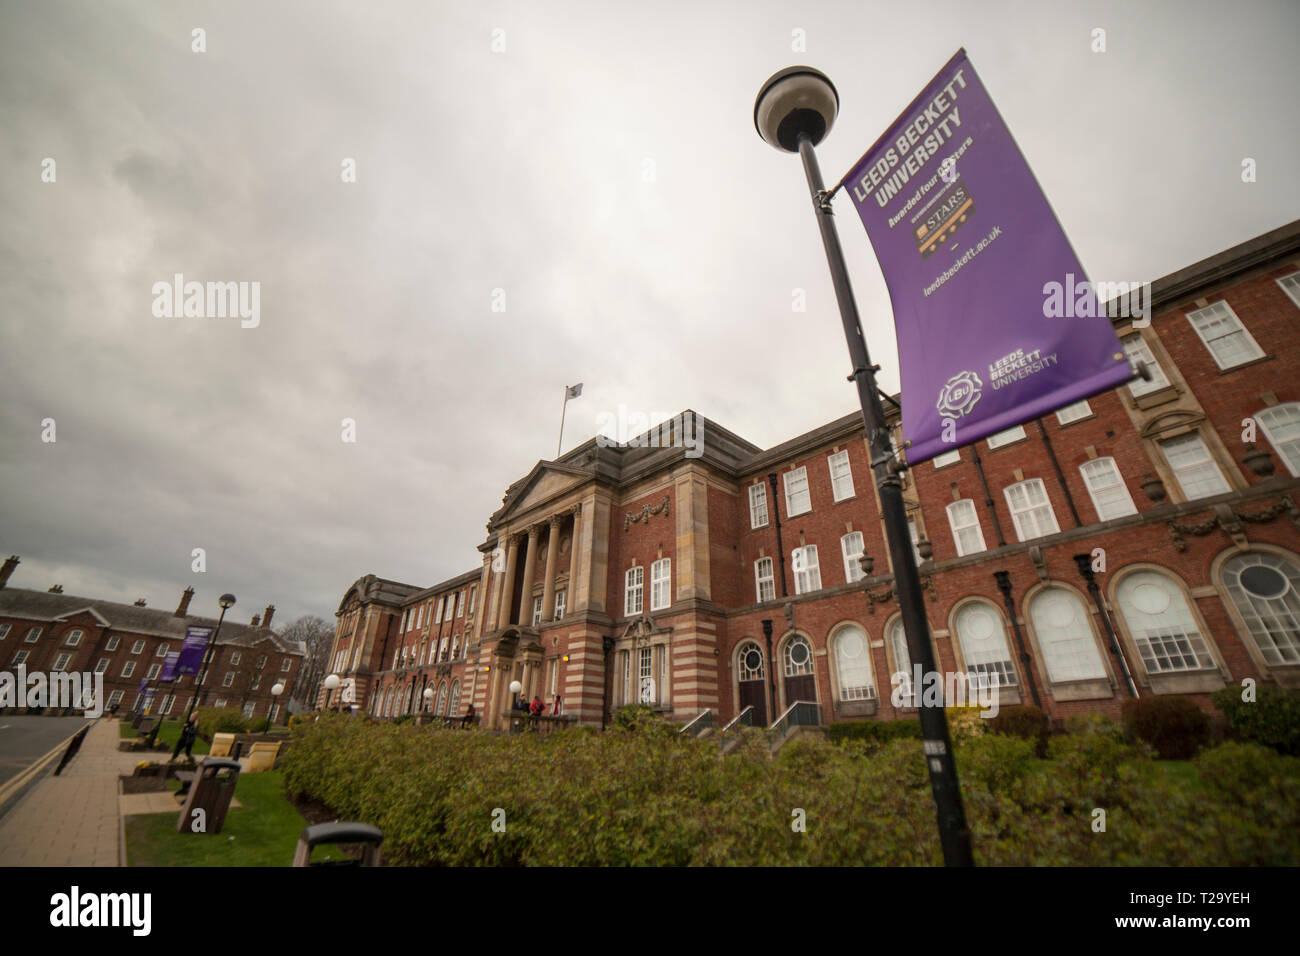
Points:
[(262, 756), (221, 745)]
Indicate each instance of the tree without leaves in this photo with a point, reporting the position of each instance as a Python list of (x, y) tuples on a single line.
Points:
[(318, 636)]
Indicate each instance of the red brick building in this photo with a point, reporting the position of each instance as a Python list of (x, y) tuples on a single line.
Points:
[(51, 632), (647, 570)]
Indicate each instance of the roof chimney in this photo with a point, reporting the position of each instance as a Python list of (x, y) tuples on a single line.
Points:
[(8, 569), (184, 607), (255, 620), (267, 614), (57, 589), (139, 602)]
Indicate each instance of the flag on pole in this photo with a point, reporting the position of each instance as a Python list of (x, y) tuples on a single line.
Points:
[(570, 391), (970, 248)]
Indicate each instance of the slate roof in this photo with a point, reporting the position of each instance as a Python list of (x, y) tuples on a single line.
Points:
[(45, 606)]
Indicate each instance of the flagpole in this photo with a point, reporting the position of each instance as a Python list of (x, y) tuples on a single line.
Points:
[(563, 408)]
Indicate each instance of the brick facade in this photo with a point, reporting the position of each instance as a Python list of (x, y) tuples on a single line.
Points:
[(1199, 589), (49, 631)]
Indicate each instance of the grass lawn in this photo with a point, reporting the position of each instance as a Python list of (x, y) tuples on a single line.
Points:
[(169, 734), (263, 832)]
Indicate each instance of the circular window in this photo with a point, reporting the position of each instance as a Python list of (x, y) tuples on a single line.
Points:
[(1263, 582), (1150, 598), (851, 644), (753, 660), (1058, 609), (977, 624), (799, 652)]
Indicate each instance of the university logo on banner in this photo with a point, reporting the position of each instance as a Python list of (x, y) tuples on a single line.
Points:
[(967, 242), (191, 655)]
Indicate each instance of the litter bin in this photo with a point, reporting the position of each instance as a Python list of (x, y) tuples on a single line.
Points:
[(213, 786), (325, 833)]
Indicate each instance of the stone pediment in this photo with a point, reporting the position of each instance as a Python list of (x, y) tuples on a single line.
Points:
[(546, 481)]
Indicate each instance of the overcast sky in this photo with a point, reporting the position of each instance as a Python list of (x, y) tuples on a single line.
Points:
[(602, 169)]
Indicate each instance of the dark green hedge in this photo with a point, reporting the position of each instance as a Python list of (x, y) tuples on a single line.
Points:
[(1175, 726), (1271, 719), (880, 731), (626, 798)]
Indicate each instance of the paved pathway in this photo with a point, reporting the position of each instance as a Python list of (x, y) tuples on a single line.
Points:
[(72, 819)]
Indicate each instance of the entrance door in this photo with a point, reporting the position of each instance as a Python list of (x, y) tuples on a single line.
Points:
[(752, 682), (799, 681)]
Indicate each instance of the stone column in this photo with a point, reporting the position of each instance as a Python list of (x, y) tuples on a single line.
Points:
[(552, 552), (570, 599), (530, 567), (507, 585)]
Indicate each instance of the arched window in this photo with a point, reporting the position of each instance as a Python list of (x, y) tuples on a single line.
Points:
[(1161, 623), (853, 663), (901, 677), (983, 640), (750, 660), (1263, 587), (1281, 425), (798, 656), (453, 708), (441, 709), (1065, 636)]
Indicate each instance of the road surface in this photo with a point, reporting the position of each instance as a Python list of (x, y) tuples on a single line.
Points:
[(24, 740)]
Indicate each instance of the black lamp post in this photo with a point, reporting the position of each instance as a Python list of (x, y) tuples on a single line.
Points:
[(794, 111), (226, 601)]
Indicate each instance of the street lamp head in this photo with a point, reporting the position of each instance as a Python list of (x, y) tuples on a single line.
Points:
[(796, 100), (226, 600), (332, 682), (277, 690), (428, 693), (515, 687)]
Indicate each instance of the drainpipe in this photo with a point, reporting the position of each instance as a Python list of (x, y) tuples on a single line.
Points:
[(1056, 466), (607, 642), (780, 548), (771, 664), (1026, 665), (1084, 563), (988, 498)]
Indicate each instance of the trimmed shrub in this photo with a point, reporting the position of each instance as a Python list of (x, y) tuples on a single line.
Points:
[(1024, 721), (644, 719), (220, 720), (259, 726), (879, 731), (1272, 719), (574, 798), (965, 722), (1175, 726)]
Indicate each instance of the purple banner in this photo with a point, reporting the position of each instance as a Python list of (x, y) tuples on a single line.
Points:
[(969, 245), (191, 654), (169, 666)]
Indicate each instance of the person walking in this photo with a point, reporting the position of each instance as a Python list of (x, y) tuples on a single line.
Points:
[(189, 733)]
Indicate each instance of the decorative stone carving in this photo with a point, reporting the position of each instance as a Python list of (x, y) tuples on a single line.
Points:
[(1233, 522), (644, 515)]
